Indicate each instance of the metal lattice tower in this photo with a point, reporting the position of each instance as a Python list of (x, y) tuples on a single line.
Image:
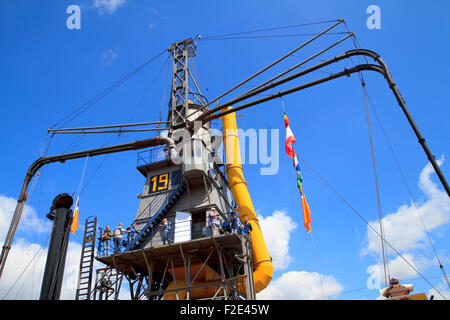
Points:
[(182, 187), (182, 95)]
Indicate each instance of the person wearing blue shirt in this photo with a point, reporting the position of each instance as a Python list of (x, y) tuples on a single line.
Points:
[(247, 227), (234, 221), (166, 227), (118, 236), (132, 233)]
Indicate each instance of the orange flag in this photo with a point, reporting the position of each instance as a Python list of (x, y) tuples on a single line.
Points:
[(290, 139), (306, 211), (306, 214), (75, 218)]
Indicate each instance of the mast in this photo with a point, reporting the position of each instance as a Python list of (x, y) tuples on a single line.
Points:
[(181, 94)]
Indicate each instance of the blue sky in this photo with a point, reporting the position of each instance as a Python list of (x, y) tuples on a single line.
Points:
[(47, 71)]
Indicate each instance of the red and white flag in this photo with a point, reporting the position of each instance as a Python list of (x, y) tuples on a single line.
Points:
[(290, 139)]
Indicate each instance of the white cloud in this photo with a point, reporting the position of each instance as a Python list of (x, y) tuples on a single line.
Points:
[(277, 229), (291, 285), (403, 228), (20, 256), (24, 268), (108, 56), (71, 271), (152, 24), (300, 285), (22, 276), (443, 291), (109, 6), (398, 268), (29, 221)]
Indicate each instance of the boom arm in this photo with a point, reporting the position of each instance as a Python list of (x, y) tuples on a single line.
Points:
[(382, 68), (135, 145)]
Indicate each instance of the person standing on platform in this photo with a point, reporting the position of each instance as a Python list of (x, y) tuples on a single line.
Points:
[(166, 228), (234, 222), (132, 233), (247, 227), (118, 237), (214, 222), (106, 240)]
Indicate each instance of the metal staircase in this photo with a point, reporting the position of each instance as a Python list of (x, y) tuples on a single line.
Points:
[(87, 260), (147, 232)]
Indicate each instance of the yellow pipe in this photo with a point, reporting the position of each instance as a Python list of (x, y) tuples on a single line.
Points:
[(207, 275), (262, 263)]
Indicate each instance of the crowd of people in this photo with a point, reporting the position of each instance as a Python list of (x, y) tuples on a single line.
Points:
[(232, 224), (217, 224), (117, 237)]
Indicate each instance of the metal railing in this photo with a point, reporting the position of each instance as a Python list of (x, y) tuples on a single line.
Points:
[(162, 153), (152, 155), (181, 231)]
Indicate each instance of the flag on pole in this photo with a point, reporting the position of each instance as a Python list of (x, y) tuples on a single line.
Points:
[(290, 139), (297, 168), (306, 211), (75, 218)]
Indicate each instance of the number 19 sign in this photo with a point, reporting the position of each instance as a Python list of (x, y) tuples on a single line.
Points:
[(159, 182)]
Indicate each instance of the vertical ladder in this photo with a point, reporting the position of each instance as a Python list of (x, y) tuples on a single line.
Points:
[(87, 260)]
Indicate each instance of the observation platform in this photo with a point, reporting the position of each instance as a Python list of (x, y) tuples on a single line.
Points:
[(199, 250)]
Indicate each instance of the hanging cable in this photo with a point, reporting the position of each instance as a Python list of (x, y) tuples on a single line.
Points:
[(82, 177), (275, 36), (78, 111), (74, 143), (43, 153), (163, 99), (99, 166), (372, 150), (227, 84), (366, 96), (270, 65), (268, 29), (317, 265), (26, 267), (141, 102), (349, 291), (118, 136), (441, 266), (310, 232), (368, 224), (298, 65)]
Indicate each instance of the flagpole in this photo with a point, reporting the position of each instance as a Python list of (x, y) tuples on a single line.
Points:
[(82, 176), (282, 105), (74, 226), (290, 139)]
